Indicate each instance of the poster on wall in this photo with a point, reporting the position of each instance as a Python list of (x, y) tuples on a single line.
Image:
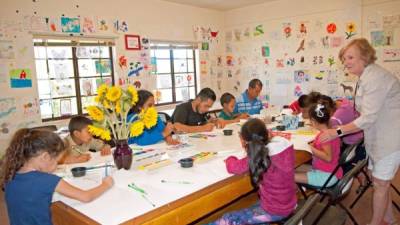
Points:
[(6, 49), (70, 25), (7, 110), (391, 55), (20, 78), (28, 106)]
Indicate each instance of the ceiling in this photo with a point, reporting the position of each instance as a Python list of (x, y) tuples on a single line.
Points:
[(222, 5)]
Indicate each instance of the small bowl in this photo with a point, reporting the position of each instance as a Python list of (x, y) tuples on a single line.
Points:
[(186, 162), (301, 124), (78, 171), (228, 132), (281, 127)]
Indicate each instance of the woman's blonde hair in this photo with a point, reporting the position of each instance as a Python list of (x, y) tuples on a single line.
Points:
[(367, 52)]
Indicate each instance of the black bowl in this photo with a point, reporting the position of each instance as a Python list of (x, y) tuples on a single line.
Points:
[(186, 162), (228, 132), (281, 127), (78, 171)]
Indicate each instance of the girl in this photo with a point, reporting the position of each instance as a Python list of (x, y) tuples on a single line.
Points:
[(325, 155), (159, 131), (29, 185), (271, 166)]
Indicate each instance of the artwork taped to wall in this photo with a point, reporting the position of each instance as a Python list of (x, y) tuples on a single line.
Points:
[(53, 24), (70, 25), (301, 76), (20, 78), (28, 107), (34, 23), (88, 25), (7, 108), (7, 49), (102, 24), (391, 55)]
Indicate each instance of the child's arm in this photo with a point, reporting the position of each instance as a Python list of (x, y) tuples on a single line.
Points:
[(99, 145), (70, 191), (237, 166), (325, 153), (69, 158)]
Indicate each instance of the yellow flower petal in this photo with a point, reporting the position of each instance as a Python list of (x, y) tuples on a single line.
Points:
[(134, 95), (95, 113), (351, 27), (102, 90), (118, 107), (136, 128), (149, 117), (114, 94)]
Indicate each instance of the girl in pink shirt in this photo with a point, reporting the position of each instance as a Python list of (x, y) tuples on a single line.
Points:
[(325, 155), (271, 166)]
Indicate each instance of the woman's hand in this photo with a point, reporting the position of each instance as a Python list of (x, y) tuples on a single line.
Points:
[(328, 135), (169, 128)]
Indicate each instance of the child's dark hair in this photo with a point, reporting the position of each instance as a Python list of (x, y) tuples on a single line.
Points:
[(143, 96), (320, 113), (77, 123), (303, 101), (26, 144), (327, 101), (255, 134), (226, 98)]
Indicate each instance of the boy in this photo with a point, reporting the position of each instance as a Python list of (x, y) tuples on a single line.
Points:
[(228, 103), (80, 141)]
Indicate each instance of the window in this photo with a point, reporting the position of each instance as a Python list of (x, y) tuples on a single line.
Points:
[(175, 70), (68, 74)]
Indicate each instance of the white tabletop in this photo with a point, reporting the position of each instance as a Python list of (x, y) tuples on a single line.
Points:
[(121, 203)]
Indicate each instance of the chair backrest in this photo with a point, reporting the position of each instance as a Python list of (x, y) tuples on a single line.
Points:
[(214, 113), (165, 117), (342, 187), (304, 210), (348, 154)]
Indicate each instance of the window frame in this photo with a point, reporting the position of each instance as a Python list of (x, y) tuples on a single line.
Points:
[(171, 46), (65, 42)]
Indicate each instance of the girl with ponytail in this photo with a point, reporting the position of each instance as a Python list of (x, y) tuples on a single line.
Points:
[(27, 180), (270, 162)]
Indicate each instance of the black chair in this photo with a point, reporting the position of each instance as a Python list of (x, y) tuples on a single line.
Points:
[(346, 156), (165, 117)]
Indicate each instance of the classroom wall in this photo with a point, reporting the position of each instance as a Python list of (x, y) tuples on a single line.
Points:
[(152, 19)]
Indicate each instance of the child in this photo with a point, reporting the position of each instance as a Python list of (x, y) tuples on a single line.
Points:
[(80, 141), (271, 166), (228, 103), (325, 155), (26, 177), (159, 131)]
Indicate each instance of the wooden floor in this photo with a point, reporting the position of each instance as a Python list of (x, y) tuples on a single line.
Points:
[(362, 211)]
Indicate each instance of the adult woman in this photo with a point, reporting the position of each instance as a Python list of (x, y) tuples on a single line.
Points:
[(159, 131), (378, 101)]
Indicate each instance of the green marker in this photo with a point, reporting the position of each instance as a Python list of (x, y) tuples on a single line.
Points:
[(136, 188)]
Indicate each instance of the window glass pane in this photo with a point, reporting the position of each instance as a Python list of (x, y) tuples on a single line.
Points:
[(180, 65), (190, 79), (103, 80), (103, 67), (40, 52), (61, 69), (164, 81), (88, 86), (44, 89), (164, 95), (181, 80), (45, 109), (89, 52), (163, 66), (190, 53), (59, 52), (162, 53), (182, 94), (104, 52), (179, 54), (192, 93), (87, 67), (41, 69), (86, 101), (61, 88), (190, 65)]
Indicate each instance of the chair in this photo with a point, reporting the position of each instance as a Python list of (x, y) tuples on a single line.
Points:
[(165, 117), (214, 113), (337, 192), (346, 156)]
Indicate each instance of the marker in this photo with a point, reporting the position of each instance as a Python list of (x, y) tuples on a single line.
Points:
[(136, 188), (176, 182), (148, 200)]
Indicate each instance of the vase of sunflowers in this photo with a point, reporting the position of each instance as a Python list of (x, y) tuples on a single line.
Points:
[(110, 120)]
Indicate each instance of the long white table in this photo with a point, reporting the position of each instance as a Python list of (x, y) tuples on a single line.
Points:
[(121, 204)]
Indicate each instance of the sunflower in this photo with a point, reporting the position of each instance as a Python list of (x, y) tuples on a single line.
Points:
[(149, 117), (351, 27), (95, 113), (133, 92), (136, 128), (106, 104), (113, 94), (100, 132), (102, 90), (118, 107)]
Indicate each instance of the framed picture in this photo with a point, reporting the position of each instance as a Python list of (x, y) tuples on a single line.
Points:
[(132, 42)]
